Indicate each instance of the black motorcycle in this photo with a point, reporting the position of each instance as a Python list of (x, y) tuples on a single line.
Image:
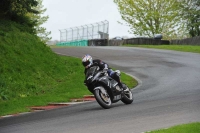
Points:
[(105, 89)]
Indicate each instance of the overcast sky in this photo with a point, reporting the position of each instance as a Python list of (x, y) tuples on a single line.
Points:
[(64, 14)]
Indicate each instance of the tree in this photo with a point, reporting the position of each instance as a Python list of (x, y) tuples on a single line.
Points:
[(40, 19), (150, 17), (16, 10), (191, 15)]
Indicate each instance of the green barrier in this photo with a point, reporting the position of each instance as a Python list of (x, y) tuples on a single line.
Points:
[(81, 43)]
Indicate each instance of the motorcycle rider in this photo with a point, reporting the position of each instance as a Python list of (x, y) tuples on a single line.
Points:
[(88, 62)]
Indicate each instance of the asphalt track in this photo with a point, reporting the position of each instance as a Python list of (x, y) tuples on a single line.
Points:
[(168, 94)]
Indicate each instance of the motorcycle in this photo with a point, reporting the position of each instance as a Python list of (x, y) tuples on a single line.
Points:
[(105, 89)]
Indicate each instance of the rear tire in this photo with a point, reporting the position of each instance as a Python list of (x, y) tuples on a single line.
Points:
[(102, 97)]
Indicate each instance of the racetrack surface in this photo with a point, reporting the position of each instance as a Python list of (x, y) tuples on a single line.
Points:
[(168, 94)]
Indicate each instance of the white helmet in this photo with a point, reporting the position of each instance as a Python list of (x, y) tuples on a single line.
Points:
[(87, 60)]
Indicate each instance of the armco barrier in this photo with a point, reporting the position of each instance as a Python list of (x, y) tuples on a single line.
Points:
[(74, 43)]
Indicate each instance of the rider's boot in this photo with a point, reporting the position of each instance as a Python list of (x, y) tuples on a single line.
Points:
[(123, 86), (116, 76)]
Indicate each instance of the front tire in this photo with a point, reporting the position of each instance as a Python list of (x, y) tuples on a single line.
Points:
[(127, 96), (102, 97)]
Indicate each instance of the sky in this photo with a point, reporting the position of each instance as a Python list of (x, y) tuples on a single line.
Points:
[(64, 14)]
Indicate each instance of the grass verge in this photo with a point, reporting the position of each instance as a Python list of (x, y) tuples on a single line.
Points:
[(185, 128), (67, 84), (183, 48)]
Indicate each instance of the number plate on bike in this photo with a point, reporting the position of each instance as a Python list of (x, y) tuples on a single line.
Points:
[(118, 97)]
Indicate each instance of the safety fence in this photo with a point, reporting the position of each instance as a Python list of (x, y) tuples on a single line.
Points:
[(132, 41), (187, 41), (97, 30), (98, 42), (138, 41), (74, 43), (106, 42), (146, 41), (83, 43)]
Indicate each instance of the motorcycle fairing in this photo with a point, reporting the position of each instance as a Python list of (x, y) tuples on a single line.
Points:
[(111, 85)]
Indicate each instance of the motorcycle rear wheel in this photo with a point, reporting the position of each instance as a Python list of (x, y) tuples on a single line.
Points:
[(102, 97)]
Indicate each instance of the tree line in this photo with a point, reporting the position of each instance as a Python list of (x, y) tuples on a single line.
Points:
[(174, 19), (28, 13)]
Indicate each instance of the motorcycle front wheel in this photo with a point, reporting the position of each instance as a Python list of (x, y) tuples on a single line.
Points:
[(102, 97), (128, 96)]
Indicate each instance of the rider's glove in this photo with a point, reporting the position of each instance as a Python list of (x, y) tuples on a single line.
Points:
[(105, 69)]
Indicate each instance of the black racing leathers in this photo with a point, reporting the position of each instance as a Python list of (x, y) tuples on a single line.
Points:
[(102, 65)]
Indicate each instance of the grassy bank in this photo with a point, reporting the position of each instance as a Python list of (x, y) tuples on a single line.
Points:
[(31, 74), (185, 128), (183, 48)]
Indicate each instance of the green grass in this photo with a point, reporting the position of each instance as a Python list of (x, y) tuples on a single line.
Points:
[(185, 128), (183, 48), (32, 75)]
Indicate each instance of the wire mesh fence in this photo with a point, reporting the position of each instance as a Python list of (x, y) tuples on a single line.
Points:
[(97, 30)]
